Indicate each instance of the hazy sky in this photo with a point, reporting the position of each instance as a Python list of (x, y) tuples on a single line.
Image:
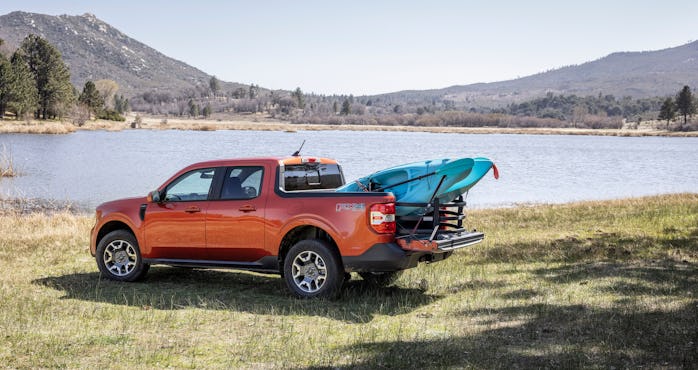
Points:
[(369, 47)]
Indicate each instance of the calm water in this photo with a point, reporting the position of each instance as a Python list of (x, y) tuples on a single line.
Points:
[(88, 168)]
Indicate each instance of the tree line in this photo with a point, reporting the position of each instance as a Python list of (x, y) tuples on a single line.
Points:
[(34, 81), (551, 110), (574, 108)]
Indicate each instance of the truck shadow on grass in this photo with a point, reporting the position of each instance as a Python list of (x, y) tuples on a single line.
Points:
[(651, 321), (168, 288), (589, 339), (600, 246)]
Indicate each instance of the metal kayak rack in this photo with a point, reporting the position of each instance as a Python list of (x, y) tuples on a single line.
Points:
[(440, 227)]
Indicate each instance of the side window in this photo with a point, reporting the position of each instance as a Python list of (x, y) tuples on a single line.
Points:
[(242, 183), (311, 176), (192, 186)]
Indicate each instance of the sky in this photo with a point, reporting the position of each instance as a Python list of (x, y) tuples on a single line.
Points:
[(371, 47)]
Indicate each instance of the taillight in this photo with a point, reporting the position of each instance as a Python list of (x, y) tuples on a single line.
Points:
[(383, 218)]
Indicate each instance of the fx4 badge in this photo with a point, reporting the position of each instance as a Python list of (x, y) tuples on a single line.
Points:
[(350, 207)]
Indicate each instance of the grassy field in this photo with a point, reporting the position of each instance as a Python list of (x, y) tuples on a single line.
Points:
[(595, 285)]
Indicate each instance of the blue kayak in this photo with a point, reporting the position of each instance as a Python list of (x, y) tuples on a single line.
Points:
[(417, 182), (479, 170)]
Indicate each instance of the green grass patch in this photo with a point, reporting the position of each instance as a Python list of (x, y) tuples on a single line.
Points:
[(593, 285)]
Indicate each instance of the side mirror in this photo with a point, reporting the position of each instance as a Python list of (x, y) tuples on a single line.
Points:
[(154, 196)]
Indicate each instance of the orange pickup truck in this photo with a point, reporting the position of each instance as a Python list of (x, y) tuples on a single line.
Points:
[(272, 215)]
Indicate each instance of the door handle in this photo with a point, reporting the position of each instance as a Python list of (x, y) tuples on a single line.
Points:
[(192, 209), (247, 208)]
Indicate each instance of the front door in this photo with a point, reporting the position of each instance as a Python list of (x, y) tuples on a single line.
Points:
[(176, 227)]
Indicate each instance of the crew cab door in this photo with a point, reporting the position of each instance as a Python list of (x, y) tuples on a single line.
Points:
[(176, 227), (235, 222)]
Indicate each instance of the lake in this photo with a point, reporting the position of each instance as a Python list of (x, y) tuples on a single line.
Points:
[(90, 167)]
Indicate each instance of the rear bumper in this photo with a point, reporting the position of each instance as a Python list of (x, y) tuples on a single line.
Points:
[(408, 253), (388, 257), (382, 257)]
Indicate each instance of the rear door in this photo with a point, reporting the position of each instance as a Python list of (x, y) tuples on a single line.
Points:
[(176, 227), (235, 222)]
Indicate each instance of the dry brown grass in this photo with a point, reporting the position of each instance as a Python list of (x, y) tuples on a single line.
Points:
[(36, 127), (585, 285), (275, 125), (261, 123), (7, 166)]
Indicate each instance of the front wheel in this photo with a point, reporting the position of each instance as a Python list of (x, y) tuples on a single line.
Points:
[(381, 279), (119, 258), (312, 269)]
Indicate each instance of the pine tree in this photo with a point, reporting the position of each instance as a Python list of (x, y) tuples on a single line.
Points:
[(207, 110), (194, 109), (346, 107), (91, 97), (298, 95), (214, 85), (253, 91), (667, 111), (685, 103), (121, 104), (5, 82), (24, 97), (51, 75)]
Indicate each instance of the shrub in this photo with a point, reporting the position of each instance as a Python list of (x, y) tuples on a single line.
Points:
[(111, 115)]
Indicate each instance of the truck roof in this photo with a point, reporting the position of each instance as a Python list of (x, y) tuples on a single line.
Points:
[(287, 160)]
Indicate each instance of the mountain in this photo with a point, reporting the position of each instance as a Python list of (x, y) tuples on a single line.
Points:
[(636, 74), (95, 50)]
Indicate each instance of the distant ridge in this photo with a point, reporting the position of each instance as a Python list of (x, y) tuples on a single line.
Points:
[(95, 50), (636, 74)]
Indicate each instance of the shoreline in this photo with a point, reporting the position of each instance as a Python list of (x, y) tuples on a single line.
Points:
[(262, 123), (27, 206)]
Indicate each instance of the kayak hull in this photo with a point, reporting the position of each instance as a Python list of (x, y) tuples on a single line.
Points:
[(419, 182)]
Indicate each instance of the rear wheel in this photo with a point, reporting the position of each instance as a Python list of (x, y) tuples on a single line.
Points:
[(381, 279), (312, 269), (119, 258)]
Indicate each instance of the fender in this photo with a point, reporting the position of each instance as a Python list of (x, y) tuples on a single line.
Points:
[(305, 219), (130, 218)]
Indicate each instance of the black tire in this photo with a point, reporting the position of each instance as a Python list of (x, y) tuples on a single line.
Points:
[(380, 279), (119, 257), (312, 269)]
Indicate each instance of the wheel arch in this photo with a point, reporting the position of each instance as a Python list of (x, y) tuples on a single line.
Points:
[(113, 226), (305, 232)]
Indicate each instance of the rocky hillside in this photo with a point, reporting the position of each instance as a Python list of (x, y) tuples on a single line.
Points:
[(95, 50)]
